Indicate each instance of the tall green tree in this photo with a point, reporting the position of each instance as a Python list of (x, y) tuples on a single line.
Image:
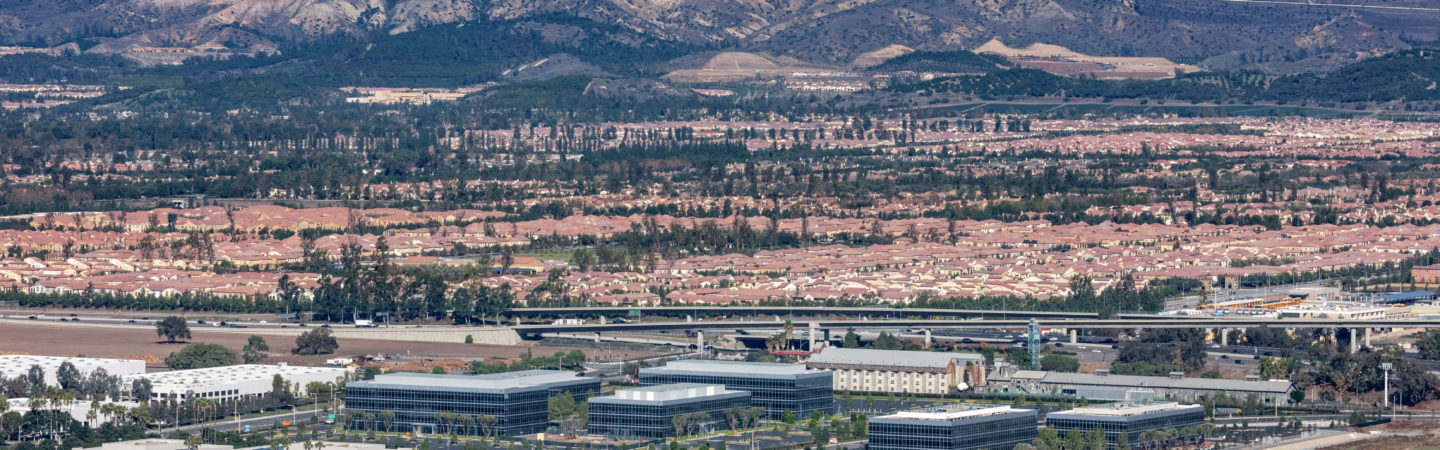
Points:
[(200, 356), (255, 350), (318, 341), (173, 329)]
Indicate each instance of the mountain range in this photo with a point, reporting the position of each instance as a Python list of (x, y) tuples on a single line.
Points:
[(1213, 34)]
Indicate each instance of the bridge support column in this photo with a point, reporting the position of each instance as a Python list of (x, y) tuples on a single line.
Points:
[(602, 320), (814, 332), (689, 318), (700, 340), (1074, 336), (1354, 340), (1224, 337), (597, 337), (1367, 337), (928, 339), (517, 321)]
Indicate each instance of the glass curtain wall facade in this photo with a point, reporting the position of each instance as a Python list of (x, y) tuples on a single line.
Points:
[(655, 419), (1000, 432), (777, 389), (518, 405), (1131, 425)]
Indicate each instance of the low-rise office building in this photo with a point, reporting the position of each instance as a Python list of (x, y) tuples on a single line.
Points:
[(1000, 428), (12, 366), (1129, 419), (233, 382), (1104, 386), (868, 370), (777, 387), (517, 400), (650, 412)]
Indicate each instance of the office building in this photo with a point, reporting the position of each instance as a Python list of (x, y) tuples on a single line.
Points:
[(1000, 428), (866, 370), (777, 387), (232, 382), (1131, 419), (649, 412), (517, 400), (12, 366)]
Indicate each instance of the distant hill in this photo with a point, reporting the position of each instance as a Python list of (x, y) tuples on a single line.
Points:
[(1276, 38), (1411, 75)]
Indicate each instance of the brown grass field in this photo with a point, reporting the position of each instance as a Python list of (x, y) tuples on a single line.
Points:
[(115, 342)]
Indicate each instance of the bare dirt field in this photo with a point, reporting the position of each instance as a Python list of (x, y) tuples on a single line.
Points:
[(114, 342), (1407, 435), (736, 66), (1063, 61)]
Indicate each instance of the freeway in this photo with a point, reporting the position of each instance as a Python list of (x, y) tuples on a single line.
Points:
[(874, 312), (1168, 322)]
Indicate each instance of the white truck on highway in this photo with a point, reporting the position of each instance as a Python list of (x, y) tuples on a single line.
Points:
[(362, 323), (569, 322)]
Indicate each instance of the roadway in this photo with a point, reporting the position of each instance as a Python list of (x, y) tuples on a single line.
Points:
[(298, 418), (1168, 322), (812, 311)]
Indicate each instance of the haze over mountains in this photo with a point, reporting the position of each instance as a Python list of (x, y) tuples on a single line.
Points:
[(1212, 34)]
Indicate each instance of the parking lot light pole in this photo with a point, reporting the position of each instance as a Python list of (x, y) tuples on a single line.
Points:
[(1387, 367)]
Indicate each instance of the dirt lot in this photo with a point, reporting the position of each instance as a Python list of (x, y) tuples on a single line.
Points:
[(114, 342), (1410, 435)]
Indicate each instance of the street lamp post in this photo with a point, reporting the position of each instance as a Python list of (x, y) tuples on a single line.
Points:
[(1387, 367)]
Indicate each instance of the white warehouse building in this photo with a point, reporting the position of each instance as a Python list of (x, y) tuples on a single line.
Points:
[(12, 366), (231, 382)]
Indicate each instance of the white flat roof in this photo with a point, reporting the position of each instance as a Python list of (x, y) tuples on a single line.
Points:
[(952, 414), (676, 391), (21, 363), (1123, 409), (504, 380), (738, 367), (235, 374)]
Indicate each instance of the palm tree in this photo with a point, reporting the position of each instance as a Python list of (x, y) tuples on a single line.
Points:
[(192, 442)]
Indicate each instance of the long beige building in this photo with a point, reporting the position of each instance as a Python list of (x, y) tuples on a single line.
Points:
[(865, 370)]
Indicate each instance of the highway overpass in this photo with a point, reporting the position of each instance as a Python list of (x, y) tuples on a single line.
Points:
[(531, 331), (808, 311)]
